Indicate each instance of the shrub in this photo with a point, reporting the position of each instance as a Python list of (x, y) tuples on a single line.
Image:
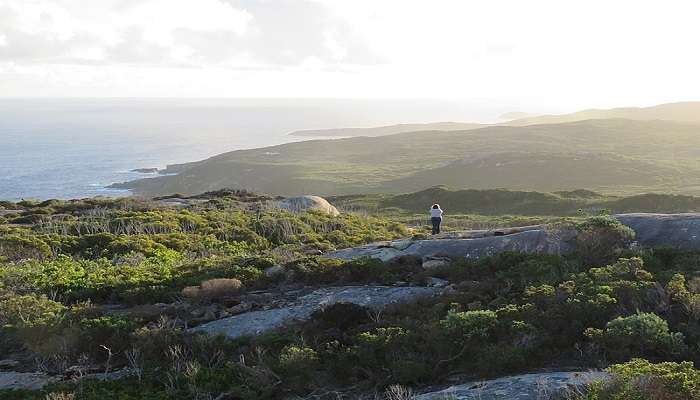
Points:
[(30, 311), (33, 319), (390, 355), (298, 363), (112, 331), (600, 239), (690, 300), (296, 358), (469, 325), (342, 315), (640, 379), (16, 248), (641, 334)]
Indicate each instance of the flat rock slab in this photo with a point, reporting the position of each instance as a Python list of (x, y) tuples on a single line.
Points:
[(528, 241), (258, 322), (549, 385), (679, 231), (24, 380)]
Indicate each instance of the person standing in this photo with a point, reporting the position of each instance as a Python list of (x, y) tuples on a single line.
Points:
[(436, 218)]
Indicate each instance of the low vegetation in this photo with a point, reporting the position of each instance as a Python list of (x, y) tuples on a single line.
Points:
[(65, 266)]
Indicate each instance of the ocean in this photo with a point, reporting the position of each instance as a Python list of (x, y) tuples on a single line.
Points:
[(74, 148)]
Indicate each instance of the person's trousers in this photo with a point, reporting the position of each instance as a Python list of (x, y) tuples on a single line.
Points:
[(436, 224)]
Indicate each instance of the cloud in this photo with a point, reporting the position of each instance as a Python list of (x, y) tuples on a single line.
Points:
[(578, 54), (232, 33)]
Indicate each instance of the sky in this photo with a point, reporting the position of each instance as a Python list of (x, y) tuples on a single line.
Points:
[(554, 54)]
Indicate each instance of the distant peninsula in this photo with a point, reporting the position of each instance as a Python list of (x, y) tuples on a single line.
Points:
[(145, 170), (387, 130)]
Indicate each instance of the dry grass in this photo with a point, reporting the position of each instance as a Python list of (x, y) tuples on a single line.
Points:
[(398, 392), (213, 289), (60, 396)]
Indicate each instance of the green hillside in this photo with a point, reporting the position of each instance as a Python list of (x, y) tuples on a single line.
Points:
[(614, 156)]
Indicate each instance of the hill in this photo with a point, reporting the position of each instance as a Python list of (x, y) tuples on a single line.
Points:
[(613, 155), (680, 112), (387, 130)]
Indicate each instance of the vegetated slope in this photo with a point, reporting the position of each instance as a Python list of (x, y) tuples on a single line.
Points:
[(111, 288), (541, 171), (388, 130), (631, 156), (509, 202)]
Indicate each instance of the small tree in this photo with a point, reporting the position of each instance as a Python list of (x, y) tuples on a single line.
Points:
[(601, 239)]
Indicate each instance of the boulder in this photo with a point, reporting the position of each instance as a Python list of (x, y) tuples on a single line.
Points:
[(548, 385), (435, 263), (274, 271), (258, 322), (680, 231), (378, 251), (307, 203), (437, 282), (239, 308), (313, 252), (25, 380), (401, 244), (9, 364)]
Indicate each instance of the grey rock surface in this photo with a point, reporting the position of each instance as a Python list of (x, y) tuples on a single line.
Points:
[(680, 231), (258, 322), (528, 241), (435, 263), (306, 203), (548, 385), (24, 380), (275, 270), (8, 364)]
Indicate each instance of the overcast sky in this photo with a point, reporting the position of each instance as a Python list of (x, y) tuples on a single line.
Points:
[(569, 54)]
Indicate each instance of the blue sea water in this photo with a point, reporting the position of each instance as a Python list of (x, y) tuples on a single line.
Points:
[(74, 148)]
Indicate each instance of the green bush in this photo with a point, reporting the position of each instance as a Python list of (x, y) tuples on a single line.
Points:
[(16, 247), (640, 379), (297, 359), (33, 320), (601, 239), (112, 331), (467, 326), (30, 311), (390, 355), (642, 334)]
